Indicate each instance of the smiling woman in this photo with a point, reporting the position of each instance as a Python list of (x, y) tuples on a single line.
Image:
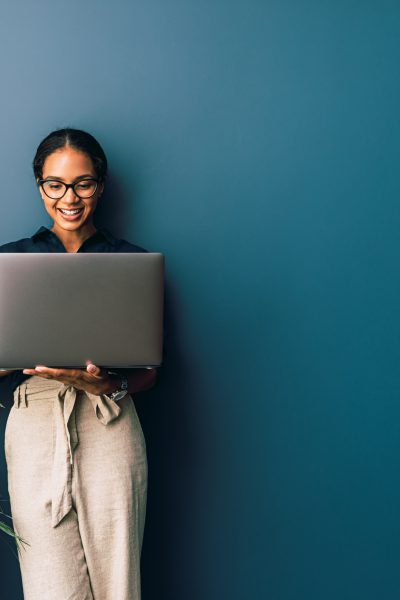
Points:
[(70, 170), (76, 453)]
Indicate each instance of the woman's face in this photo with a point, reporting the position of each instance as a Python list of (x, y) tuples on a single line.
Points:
[(69, 165)]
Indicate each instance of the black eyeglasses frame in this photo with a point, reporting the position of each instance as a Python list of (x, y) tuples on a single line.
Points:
[(69, 185)]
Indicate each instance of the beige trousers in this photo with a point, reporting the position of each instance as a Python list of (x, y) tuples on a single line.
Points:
[(77, 479)]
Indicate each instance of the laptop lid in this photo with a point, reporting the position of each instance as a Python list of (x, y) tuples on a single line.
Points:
[(61, 310)]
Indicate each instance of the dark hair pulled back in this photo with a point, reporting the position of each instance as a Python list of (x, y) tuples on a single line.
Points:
[(74, 138)]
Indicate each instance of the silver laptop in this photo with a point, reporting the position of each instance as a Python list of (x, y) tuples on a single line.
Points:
[(61, 310)]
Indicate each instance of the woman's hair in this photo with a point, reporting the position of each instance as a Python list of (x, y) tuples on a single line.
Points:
[(73, 138)]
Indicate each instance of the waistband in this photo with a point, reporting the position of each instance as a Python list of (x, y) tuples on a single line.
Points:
[(35, 388), (64, 397)]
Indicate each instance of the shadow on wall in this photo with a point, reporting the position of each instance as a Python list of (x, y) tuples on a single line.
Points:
[(162, 413), (113, 208)]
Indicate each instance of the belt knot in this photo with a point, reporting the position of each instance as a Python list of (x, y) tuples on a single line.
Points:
[(105, 409)]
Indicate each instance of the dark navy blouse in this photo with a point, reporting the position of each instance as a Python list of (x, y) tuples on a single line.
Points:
[(45, 240)]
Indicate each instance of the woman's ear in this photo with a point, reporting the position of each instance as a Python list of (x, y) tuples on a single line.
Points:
[(40, 189), (101, 189)]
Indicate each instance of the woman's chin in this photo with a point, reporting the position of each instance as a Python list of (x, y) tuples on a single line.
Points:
[(71, 224)]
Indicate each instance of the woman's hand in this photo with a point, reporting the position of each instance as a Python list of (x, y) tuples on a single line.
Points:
[(93, 379)]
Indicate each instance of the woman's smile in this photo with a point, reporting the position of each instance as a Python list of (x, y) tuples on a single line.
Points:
[(71, 214)]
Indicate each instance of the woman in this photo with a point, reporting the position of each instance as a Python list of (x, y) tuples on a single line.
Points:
[(75, 450)]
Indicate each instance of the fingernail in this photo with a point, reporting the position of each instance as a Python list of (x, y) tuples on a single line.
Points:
[(40, 368), (91, 368)]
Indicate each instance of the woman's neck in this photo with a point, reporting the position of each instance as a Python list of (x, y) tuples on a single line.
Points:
[(73, 240)]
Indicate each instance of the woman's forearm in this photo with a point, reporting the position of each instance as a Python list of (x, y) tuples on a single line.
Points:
[(140, 380)]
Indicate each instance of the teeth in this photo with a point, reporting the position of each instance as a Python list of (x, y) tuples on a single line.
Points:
[(70, 212)]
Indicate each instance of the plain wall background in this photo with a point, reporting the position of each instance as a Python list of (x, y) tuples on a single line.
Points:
[(256, 144)]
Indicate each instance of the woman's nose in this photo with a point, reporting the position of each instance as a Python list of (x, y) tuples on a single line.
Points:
[(70, 196)]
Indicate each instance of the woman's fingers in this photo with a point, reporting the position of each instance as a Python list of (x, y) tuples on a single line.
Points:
[(92, 379), (94, 370), (63, 375), (70, 375)]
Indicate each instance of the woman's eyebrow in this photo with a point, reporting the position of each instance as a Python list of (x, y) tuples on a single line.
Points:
[(76, 179)]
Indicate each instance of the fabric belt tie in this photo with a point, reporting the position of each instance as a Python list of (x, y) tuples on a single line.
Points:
[(66, 440)]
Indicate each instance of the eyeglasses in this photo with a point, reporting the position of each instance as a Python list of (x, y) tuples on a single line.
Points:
[(54, 189)]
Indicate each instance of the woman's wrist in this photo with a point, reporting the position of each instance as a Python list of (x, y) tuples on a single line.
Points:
[(113, 383), (131, 380), (139, 379)]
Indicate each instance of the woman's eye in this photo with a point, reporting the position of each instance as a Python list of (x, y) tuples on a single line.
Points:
[(84, 186), (54, 186)]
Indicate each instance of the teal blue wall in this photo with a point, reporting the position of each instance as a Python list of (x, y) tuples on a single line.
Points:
[(256, 144)]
